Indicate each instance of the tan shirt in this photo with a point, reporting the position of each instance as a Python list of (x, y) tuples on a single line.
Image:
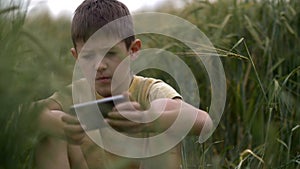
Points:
[(144, 91)]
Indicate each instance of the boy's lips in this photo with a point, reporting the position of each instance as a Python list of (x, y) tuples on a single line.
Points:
[(103, 79)]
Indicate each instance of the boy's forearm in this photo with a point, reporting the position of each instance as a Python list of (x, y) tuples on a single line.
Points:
[(171, 109)]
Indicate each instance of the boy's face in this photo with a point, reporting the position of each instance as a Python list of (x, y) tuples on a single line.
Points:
[(105, 67)]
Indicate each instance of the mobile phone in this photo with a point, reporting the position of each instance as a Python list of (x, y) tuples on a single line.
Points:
[(89, 113)]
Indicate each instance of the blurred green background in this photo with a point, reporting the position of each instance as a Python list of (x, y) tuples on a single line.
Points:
[(260, 48)]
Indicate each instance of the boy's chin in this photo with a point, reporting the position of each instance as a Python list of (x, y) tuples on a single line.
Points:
[(104, 94), (109, 90), (104, 91)]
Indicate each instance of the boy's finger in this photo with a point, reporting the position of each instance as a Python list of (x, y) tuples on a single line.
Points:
[(127, 95), (127, 126), (127, 106), (121, 123), (71, 129), (70, 119), (75, 139), (133, 115)]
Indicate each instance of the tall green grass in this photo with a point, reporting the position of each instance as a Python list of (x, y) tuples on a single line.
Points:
[(30, 71), (259, 45), (260, 125)]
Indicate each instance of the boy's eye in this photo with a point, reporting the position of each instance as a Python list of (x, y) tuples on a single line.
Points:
[(87, 57), (111, 53)]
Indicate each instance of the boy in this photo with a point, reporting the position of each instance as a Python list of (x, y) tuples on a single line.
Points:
[(65, 143)]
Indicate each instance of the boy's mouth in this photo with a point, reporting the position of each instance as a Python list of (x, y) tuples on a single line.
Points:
[(103, 79)]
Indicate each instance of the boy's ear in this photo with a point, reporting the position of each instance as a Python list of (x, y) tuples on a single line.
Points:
[(134, 48), (74, 53)]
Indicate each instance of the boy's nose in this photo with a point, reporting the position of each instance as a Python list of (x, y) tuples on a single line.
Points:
[(101, 66)]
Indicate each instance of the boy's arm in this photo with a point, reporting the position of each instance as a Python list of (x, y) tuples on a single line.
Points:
[(166, 110), (170, 111)]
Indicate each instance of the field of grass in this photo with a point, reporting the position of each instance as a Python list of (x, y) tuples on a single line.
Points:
[(260, 48)]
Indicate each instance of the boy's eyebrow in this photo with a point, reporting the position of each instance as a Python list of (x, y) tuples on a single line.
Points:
[(86, 53), (89, 51), (113, 48)]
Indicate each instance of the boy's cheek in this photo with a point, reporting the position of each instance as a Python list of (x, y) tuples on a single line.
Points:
[(87, 70)]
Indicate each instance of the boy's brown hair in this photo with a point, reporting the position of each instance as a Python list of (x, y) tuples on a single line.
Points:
[(92, 15)]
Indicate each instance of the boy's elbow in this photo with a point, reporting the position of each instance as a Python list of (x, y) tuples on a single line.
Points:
[(203, 125), (207, 126), (207, 129)]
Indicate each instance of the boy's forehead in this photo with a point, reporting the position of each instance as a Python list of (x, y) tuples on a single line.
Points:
[(101, 45)]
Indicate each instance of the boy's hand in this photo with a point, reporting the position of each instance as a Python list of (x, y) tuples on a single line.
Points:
[(73, 130), (129, 120)]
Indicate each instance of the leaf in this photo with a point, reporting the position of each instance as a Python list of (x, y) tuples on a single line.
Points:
[(9, 9), (283, 143), (289, 75), (237, 44), (253, 32)]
